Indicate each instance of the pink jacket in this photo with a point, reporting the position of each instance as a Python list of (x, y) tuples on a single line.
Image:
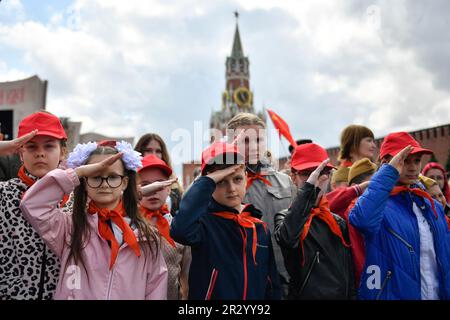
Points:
[(131, 277)]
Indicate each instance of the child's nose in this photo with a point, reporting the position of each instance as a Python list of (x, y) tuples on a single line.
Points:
[(231, 187), (40, 153)]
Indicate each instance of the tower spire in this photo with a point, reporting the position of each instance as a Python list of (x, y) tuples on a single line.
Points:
[(237, 51)]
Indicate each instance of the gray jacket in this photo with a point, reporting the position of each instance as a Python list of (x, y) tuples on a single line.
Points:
[(271, 200)]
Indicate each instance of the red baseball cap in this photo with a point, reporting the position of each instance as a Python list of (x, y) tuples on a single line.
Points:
[(395, 142), (309, 156), (152, 161), (47, 125), (215, 154)]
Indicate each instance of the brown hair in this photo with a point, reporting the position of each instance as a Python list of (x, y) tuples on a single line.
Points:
[(146, 139), (80, 229), (351, 137), (245, 119)]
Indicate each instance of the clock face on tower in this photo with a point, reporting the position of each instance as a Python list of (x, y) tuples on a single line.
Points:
[(242, 97)]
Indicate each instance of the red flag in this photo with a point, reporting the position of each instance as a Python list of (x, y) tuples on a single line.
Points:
[(282, 127)]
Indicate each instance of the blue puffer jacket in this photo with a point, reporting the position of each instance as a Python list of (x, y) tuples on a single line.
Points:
[(219, 268), (391, 232)]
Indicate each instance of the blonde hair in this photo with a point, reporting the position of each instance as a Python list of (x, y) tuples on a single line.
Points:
[(245, 119), (351, 137)]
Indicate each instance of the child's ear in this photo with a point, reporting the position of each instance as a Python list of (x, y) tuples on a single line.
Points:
[(63, 154), (21, 154), (124, 183)]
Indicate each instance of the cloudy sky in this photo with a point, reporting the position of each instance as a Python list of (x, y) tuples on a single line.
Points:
[(131, 67)]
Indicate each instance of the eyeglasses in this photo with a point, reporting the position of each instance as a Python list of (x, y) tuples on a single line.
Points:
[(112, 181)]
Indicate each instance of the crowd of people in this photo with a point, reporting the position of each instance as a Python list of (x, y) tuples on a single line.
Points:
[(111, 221)]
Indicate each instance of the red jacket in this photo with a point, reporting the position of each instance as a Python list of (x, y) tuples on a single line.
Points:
[(341, 201), (357, 243)]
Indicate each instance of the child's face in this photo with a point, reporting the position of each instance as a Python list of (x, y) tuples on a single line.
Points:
[(436, 193), (153, 147), (158, 199), (437, 176), (411, 169), (104, 195), (231, 190), (253, 147), (299, 177), (41, 155)]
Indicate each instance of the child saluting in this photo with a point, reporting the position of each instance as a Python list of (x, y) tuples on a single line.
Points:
[(107, 250), (28, 268), (232, 255)]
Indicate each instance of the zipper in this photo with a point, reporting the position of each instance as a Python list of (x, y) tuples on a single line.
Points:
[(410, 247), (244, 255), (388, 276), (316, 259), (212, 282), (42, 278), (108, 293)]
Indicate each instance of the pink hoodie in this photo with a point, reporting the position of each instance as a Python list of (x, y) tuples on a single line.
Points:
[(132, 277)]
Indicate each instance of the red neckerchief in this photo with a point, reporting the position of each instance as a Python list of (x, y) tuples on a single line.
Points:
[(322, 212), (347, 163), (161, 223), (25, 179), (245, 220), (30, 181), (416, 191), (251, 177), (116, 215)]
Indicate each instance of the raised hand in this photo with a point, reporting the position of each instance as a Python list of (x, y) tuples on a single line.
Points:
[(316, 178), (156, 186), (94, 169), (12, 146), (398, 161), (219, 175)]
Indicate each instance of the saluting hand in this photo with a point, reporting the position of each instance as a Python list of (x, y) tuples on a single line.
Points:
[(11, 146), (219, 175), (316, 178), (156, 186), (94, 169), (398, 161)]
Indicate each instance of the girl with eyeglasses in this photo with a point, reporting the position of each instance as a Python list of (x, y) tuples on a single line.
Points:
[(107, 249)]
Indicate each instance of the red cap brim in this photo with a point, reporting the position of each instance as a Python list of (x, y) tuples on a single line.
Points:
[(51, 134), (311, 165), (161, 167)]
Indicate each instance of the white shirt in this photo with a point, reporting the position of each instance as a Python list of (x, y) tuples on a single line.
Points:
[(429, 284), (118, 232)]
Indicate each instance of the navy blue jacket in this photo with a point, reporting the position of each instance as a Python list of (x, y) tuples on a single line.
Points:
[(217, 269), (391, 233)]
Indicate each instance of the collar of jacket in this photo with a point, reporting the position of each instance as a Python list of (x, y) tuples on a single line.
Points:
[(265, 169), (17, 183), (214, 206), (93, 221)]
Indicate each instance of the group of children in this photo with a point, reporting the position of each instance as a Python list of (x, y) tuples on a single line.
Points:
[(108, 221)]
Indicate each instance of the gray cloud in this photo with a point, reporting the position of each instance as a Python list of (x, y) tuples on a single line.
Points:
[(159, 66)]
